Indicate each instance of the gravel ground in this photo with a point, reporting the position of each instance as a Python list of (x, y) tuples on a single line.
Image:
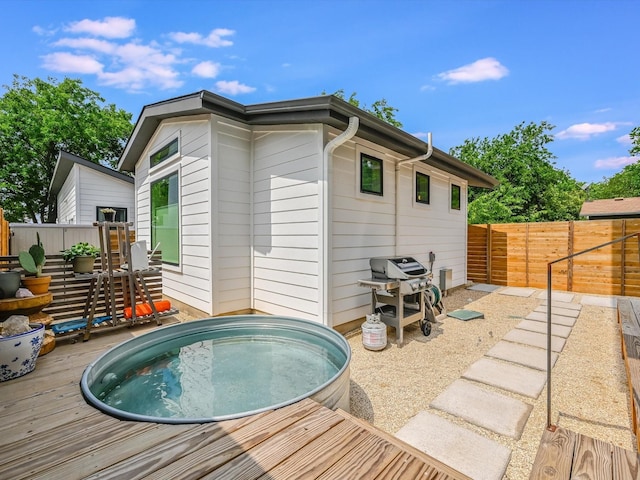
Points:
[(589, 389)]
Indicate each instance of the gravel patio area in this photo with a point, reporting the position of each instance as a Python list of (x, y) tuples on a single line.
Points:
[(589, 388)]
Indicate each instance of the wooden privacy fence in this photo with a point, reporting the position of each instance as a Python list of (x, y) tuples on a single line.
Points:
[(516, 254)]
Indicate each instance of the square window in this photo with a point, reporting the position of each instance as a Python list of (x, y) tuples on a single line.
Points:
[(169, 150), (370, 175), (165, 228), (455, 197), (422, 188)]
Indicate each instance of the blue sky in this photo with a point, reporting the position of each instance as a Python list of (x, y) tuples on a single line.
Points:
[(459, 69)]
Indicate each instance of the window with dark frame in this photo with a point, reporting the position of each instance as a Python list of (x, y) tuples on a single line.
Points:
[(371, 169), (455, 197), (165, 152), (422, 188)]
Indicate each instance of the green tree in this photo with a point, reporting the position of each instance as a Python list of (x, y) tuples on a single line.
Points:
[(37, 119), (625, 183), (531, 188), (379, 108)]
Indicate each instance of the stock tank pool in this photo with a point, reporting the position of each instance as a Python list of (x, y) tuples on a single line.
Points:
[(220, 368)]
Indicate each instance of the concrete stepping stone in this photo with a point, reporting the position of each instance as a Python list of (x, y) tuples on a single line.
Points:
[(541, 327), (535, 339), (484, 408), (571, 306), (555, 319), (611, 302), (517, 291), (522, 355), (565, 312), (466, 451), (559, 296), (510, 377)]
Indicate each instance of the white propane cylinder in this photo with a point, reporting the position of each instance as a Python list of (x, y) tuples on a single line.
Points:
[(374, 333)]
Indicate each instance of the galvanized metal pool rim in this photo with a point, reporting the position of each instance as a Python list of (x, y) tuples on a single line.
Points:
[(333, 393)]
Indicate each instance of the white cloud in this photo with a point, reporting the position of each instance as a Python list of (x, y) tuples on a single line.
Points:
[(70, 63), (584, 131), (624, 139), (110, 27), (84, 43), (213, 40), (206, 69), (427, 88), (614, 163), (484, 69), (233, 87)]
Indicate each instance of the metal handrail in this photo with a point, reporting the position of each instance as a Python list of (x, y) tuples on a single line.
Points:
[(549, 264)]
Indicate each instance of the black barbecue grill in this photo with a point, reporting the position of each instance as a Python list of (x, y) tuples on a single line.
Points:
[(401, 291)]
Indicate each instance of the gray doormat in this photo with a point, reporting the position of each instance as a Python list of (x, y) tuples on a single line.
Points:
[(517, 291), (565, 312), (493, 411), (557, 296), (484, 287), (535, 339), (555, 319), (469, 453), (541, 327), (465, 314), (507, 376), (522, 355)]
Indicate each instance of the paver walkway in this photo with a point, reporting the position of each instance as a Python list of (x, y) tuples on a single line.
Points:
[(518, 364)]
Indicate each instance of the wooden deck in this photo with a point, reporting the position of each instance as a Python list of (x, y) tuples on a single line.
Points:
[(48, 431)]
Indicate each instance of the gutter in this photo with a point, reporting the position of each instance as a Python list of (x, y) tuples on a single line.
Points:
[(325, 257), (399, 164)]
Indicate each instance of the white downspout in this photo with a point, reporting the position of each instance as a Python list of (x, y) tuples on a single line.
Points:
[(397, 196), (325, 280)]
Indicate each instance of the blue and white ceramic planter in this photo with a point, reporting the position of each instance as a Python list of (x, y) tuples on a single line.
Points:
[(18, 353)]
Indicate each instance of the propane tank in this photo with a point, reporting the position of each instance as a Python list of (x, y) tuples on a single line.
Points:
[(374, 333)]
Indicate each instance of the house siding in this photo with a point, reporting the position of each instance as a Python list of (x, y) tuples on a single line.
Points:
[(364, 226), (99, 190), (67, 200), (191, 282), (285, 220)]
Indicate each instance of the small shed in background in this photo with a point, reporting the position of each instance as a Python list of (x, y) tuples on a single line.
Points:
[(82, 188), (611, 208)]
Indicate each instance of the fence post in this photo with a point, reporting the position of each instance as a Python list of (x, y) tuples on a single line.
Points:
[(526, 255), (622, 257), (489, 253), (570, 243)]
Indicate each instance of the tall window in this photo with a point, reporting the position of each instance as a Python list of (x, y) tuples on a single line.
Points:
[(455, 197), (165, 217), (422, 188), (370, 174), (167, 151)]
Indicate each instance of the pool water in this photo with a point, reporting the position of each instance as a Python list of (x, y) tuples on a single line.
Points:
[(215, 377)]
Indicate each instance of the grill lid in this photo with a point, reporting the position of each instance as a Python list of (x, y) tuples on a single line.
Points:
[(401, 268)]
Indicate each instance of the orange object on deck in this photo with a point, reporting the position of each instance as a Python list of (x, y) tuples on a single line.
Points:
[(145, 309)]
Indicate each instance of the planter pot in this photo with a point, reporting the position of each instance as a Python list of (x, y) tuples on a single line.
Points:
[(18, 353), (109, 217), (37, 285), (83, 264), (9, 284)]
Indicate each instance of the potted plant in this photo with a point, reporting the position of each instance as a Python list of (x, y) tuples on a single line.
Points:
[(109, 214), (20, 344), (82, 255), (32, 262)]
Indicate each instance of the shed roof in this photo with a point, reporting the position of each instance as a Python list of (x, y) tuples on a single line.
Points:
[(612, 206), (67, 160), (326, 109)]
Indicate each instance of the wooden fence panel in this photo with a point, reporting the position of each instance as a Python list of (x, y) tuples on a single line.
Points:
[(517, 255), (4, 234)]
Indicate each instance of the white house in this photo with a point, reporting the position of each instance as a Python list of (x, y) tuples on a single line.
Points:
[(277, 207), (83, 187)]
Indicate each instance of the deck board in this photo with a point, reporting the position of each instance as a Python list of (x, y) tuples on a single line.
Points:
[(48, 431)]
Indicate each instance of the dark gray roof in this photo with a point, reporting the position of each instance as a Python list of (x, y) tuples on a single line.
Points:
[(66, 161), (326, 109)]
